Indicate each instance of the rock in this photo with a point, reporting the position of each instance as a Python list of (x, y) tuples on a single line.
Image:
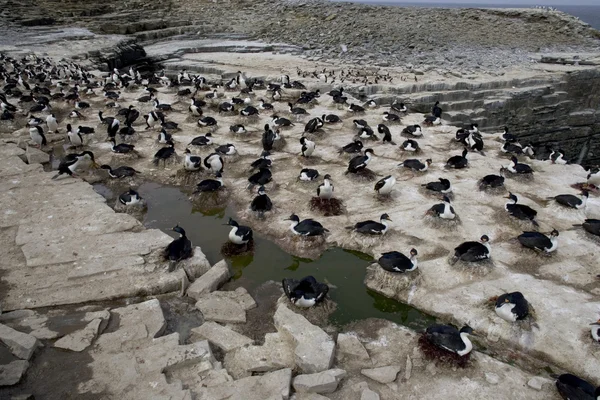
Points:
[(274, 385), (276, 353), (210, 281), (221, 309), (36, 156), (382, 374), (321, 382), (81, 339), (431, 368), (221, 336), (408, 369), (350, 345), (314, 349), (368, 394), (240, 295), (492, 378), (20, 344), (195, 266), (11, 374), (537, 382), (308, 396)]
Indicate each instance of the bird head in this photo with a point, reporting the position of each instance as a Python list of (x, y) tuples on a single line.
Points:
[(327, 176), (413, 252), (293, 217), (467, 329), (554, 233), (385, 217), (484, 239)]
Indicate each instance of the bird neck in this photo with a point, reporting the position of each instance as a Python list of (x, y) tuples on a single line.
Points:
[(413, 260), (554, 241), (583, 201), (293, 224), (468, 345), (511, 201)]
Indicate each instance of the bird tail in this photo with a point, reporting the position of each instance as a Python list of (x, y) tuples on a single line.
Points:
[(351, 227), (55, 177), (577, 225), (138, 172), (326, 230)]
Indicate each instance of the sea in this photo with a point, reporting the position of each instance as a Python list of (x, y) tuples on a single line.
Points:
[(587, 13)]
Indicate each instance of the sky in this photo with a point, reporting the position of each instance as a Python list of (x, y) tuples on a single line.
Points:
[(518, 2)]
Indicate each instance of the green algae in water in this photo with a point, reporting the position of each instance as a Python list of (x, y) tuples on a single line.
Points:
[(343, 270)]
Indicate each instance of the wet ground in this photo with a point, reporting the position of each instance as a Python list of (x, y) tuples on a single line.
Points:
[(342, 270)]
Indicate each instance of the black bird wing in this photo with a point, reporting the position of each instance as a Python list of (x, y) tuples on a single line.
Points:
[(534, 240), (568, 200)]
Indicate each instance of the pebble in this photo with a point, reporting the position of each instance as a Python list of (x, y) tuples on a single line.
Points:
[(492, 378)]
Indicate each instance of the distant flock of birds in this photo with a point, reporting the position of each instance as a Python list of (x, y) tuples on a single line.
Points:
[(40, 83)]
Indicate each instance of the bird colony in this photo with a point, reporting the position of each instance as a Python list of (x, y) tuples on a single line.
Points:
[(310, 166)]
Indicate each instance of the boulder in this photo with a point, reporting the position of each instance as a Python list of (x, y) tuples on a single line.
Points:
[(11, 373), (382, 374), (314, 349), (20, 344), (321, 382), (210, 281), (195, 266), (223, 309), (350, 345), (36, 156), (274, 385), (221, 336), (81, 339), (276, 353), (368, 394)]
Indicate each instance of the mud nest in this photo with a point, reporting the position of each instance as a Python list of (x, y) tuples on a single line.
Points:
[(328, 207), (363, 175), (231, 249), (586, 186), (432, 352)]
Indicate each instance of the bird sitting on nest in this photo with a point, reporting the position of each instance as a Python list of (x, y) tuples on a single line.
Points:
[(305, 293)]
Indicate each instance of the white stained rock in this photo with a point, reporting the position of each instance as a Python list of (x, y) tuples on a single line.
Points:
[(20, 344), (537, 382), (81, 339), (11, 374), (314, 349), (368, 394), (350, 345), (210, 281), (321, 382), (221, 336), (271, 386), (382, 374)]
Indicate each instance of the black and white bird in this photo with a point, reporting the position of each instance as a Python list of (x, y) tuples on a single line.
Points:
[(308, 174), (180, 248), (450, 339), (538, 241), (305, 293), (558, 157), (443, 210), (239, 234), (591, 225), (519, 211), (210, 185), (226, 149), (384, 186), (261, 177), (313, 125), (130, 198), (367, 133), (355, 108), (203, 140), (389, 117), (416, 165), (36, 133), (165, 153), (518, 168), (360, 123), (269, 138), (354, 147), (512, 307), (263, 162), (359, 163), (571, 387), (308, 146), (387, 135), (595, 331), (296, 110), (492, 181), (442, 185), (191, 162), (458, 162), (473, 251), (164, 137), (264, 106), (76, 162), (214, 162), (261, 203), (572, 201), (507, 136), (51, 123), (280, 122), (120, 172), (325, 189), (331, 118), (121, 148), (249, 111), (399, 107), (593, 178), (410, 145), (307, 227), (372, 227), (394, 261), (412, 130)]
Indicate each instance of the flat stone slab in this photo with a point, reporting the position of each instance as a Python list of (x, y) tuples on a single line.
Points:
[(11, 374), (276, 353), (239, 295), (271, 386), (11, 166), (351, 346), (321, 382), (221, 336), (314, 349), (382, 374), (210, 281), (223, 309), (20, 344), (111, 245), (10, 149), (36, 156), (81, 339)]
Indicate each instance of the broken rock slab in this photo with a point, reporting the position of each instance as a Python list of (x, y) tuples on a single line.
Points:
[(271, 386), (36, 156), (308, 396), (226, 306), (11, 374), (349, 345), (321, 382), (195, 266), (221, 336), (276, 353), (20, 344), (368, 394), (382, 374), (314, 349), (81, 339), (210, 281)]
